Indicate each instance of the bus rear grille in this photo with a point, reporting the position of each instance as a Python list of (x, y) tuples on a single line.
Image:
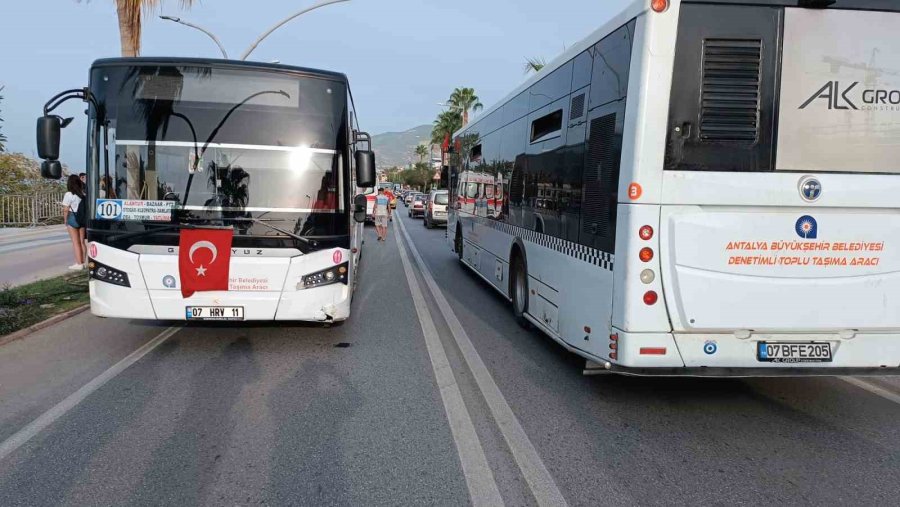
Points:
[(601, 178), (730, 92), (576, 110)]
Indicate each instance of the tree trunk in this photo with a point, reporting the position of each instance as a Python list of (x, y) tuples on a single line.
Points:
[(465, 117), (129, 40)]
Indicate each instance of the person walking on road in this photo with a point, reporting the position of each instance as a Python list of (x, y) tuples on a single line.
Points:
[(382, 214), (72, 202)]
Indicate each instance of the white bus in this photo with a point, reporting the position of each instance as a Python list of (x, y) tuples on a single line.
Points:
[(268, 153), (704, 187)]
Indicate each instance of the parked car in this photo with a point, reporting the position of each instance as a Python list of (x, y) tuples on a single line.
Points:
[(436, 208), (417, 208)]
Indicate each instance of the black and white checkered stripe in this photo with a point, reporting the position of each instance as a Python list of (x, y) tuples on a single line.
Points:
[(572, 249)]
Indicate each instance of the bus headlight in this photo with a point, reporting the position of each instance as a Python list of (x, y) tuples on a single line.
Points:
[(334, 274), (104, 273)]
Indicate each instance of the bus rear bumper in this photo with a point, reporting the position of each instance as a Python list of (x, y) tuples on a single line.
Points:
[(595, 368), (726, 355)]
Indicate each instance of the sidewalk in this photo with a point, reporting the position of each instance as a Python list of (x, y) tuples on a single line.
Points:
[(13, 234), (34, 253)]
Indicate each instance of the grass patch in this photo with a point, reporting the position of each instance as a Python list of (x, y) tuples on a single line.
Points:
[(29, 304)]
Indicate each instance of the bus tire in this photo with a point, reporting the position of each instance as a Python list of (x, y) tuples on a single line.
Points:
[(518, 288)]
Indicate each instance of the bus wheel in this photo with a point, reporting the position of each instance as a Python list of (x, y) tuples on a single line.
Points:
[(519, 291)]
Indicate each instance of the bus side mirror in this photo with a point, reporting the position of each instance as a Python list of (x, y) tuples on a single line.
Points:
[(48, 131), (359, 208), (365, 168), (48, 134), (51, 169)]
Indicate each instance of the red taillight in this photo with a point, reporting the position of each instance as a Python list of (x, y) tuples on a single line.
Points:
[(659, 5), (646, 232), (646, 254), (653, 351), (650, 298), (613, 346), (614, 355)]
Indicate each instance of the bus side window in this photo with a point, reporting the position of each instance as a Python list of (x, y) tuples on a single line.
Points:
[(603, 153)]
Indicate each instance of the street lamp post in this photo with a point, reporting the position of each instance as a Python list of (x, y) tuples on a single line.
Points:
[(450, 106), (284, 21), (207, 32), (261, 37)]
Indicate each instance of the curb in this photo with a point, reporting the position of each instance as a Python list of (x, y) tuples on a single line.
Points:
[(22, 333)]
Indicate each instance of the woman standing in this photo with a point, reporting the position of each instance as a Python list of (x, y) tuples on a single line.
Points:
[(71, 202)]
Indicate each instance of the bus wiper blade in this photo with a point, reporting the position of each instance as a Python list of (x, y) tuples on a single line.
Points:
[(307, 241), (165, 228), (137, 234)]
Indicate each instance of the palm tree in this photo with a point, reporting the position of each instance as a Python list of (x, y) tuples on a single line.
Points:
[(534, 64), (445, 125), (465, 99), (130, 13), (421, 152)]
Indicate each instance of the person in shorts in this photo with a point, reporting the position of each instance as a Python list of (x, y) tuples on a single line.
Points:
[(382, 213), (71, 202)]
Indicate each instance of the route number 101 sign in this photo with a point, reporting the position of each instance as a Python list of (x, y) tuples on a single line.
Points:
[(122, 209)]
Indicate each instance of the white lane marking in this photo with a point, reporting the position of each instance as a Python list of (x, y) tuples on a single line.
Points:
[(542, 485), (479, 477), (25, 434), (872, 388)]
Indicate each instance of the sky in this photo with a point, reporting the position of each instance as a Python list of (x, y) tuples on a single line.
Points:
[(402, 57)]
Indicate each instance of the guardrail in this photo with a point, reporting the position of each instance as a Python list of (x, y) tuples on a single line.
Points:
[(30, 210)]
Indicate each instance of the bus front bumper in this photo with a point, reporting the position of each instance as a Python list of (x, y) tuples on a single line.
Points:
[(328, 303)]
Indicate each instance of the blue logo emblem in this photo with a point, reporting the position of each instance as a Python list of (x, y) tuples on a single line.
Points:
[(806, 227), (169, 281), (810, 189), (710, 348)]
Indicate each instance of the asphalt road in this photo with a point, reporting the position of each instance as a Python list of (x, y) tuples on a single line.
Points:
[(368, 413), (33, 254)]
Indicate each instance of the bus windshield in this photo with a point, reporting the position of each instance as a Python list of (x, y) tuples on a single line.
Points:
[(221, 143)]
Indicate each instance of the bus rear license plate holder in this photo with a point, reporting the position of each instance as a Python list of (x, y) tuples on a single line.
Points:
[(794, 352), (214, 312)]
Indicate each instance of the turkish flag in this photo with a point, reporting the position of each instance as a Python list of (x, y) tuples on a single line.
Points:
[(204, 256)]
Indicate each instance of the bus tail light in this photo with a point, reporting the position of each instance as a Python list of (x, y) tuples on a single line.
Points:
[(647, 276), (650, 297), (653, 351), (646, 232), (659, 5), (646, 254)]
